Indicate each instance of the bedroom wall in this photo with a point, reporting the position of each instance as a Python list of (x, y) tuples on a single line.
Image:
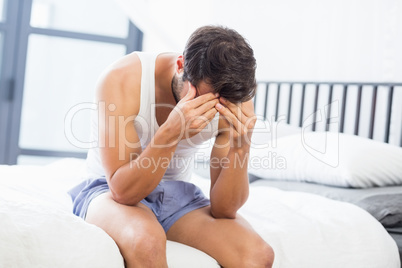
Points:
[(293, 40)]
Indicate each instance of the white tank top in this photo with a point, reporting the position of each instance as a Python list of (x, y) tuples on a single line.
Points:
[(145, 124)]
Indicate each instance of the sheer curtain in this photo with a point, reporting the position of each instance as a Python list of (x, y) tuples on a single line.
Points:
[(345, 40)]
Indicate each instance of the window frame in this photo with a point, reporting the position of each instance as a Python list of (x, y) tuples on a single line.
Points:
[(12, 78)]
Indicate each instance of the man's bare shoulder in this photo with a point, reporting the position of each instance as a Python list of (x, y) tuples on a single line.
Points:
[(126, 70), (120, 83)]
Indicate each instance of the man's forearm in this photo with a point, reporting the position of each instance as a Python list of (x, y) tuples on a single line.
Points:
[(231, 188), (136, 179)]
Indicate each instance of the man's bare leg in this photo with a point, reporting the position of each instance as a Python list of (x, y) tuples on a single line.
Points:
[(135, 229), (232, 242)]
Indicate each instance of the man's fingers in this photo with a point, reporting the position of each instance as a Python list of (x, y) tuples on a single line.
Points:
[(210, 114), (248, 108), (235, 109), (207, 117), (200, 100), (230, 117), (206, 106), (201, 121)]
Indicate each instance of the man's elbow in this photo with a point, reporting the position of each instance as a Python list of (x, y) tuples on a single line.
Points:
[(124, 199), (121, 193), (223, 213)]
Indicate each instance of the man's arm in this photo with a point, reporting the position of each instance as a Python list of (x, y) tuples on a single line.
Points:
[(229, 159), (132, 173), (121, 153)]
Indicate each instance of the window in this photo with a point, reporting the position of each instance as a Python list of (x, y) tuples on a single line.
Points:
[(51, 63), (105, 18), (2, 9)]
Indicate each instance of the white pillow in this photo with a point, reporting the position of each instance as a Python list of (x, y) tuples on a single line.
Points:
[(328, 158)]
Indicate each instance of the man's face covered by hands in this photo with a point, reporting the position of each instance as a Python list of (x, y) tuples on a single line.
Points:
[(201, 103)]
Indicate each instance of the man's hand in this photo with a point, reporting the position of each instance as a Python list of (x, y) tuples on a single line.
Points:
[(241, 118), (191, 115)]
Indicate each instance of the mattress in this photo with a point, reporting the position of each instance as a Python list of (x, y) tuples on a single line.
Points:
[(350, 195), (305, 230), (360, 197), (396, 234)]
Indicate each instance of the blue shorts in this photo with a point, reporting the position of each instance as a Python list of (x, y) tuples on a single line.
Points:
[(169, 201)]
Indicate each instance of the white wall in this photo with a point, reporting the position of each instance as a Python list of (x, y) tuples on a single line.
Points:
[(348, 40)]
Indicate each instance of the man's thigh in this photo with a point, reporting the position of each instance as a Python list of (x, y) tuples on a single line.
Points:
[(125, 224), (226, 240)]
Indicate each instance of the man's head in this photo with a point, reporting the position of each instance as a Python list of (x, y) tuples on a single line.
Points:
[(221, 58)]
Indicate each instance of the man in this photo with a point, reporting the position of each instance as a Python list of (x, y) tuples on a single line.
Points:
[(159, 108)]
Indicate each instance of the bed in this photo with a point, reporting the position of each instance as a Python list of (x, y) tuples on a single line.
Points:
[(361, 119), (299, 203)]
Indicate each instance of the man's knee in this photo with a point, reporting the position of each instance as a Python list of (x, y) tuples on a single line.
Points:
[(268, 255), (146, 248), (260, 254), (149, 244)]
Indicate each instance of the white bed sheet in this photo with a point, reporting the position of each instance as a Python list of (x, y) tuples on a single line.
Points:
[(37, 228)]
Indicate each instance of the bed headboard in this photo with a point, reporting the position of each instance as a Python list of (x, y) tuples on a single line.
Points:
[(372, 110)]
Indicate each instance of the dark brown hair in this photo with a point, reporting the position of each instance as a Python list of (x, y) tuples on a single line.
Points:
[(222, 58)]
